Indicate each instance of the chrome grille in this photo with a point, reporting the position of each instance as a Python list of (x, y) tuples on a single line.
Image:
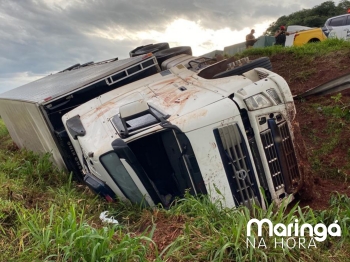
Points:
[(271, 156), (243, 177), (288, 151)]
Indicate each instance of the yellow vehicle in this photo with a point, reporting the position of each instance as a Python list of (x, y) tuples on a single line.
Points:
[(308, 36)]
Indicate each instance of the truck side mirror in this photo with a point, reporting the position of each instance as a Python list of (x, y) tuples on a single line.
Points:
[(75, 127)]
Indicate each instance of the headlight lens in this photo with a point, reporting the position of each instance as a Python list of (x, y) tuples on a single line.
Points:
[(272, 92), (257, 102)]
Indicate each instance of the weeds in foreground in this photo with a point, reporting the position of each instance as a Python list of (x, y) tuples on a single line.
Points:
[(53, 236), (216, 234), (3, 130), (210, 233)]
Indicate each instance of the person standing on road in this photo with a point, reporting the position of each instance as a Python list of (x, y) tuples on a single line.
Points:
[(250, 39)]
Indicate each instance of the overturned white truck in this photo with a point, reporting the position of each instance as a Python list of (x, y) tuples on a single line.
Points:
[(180, 129)]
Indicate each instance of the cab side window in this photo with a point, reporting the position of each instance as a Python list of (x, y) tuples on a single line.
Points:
[(338, 21)]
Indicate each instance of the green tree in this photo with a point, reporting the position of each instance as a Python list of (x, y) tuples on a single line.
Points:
[(343, 6), (314, 17), (325, 9)]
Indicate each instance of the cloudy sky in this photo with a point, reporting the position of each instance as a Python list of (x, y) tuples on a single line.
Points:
[(39, 37)]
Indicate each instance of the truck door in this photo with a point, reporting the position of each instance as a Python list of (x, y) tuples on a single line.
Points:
[(164, 163)]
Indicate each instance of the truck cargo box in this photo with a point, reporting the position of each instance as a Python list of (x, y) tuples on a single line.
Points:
[(32, 112)]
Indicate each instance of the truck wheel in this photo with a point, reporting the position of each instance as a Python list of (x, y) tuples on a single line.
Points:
[(314, 40), (132, 52), (152, 48), (263, 62), (168, 53)]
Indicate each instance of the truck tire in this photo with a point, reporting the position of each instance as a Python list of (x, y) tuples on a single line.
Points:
[(132, 52), (314, 40), (263, 62), (152, 48), (168, 53)]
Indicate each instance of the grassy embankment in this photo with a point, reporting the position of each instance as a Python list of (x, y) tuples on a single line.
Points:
[(312, 50), (46, 217)]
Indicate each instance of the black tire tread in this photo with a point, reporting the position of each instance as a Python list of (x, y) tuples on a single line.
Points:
[(171, 52), (314, 40), (132, 52), (152, 49), (263, 62)]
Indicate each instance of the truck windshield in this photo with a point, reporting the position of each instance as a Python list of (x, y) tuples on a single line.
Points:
[(121, 177)]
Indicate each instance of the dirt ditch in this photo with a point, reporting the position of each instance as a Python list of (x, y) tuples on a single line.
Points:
[(325, 138)]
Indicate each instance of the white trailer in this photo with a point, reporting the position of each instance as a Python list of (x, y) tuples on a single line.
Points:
[(32, 112)]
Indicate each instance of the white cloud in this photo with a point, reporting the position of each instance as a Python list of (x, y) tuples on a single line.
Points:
[(182, 32), (37, 36), (202, 40), (60, 4)]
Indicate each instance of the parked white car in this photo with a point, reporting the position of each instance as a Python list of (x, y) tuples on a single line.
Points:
[(338, 27)]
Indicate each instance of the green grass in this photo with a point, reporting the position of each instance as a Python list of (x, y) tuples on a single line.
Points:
[(303, 75), (3, 130), (335, 118), (216, 234), (308, 50), (68, 236), (44, 216)]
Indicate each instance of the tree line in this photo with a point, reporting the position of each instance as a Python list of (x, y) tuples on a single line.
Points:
[(314, 17)]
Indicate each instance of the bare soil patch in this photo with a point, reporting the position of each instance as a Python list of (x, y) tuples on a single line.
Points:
[(316, 132), (305, 73), (167, 227)]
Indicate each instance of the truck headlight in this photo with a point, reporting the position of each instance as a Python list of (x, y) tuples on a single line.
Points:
[(257, 102), (272, 92)]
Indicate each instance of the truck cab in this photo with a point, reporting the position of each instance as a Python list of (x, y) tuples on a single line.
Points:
[(180, 130)]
